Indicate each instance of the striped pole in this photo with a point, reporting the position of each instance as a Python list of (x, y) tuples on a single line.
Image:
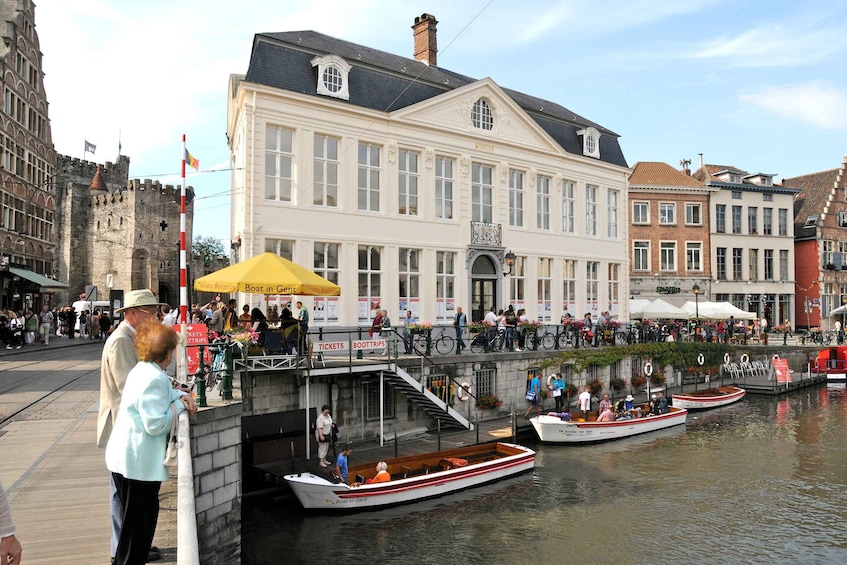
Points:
[(182, 365)]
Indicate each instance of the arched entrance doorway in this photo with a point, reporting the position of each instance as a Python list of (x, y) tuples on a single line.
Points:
[(484, 280)]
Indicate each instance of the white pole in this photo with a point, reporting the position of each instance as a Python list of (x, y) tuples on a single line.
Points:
[(381, 408), (187, 552), (308, 405)]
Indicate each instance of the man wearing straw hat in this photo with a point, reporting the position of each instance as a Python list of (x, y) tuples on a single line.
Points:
[(118, 359)]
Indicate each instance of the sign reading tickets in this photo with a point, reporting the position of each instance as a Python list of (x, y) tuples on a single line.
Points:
[(196, 334), (781, 370)]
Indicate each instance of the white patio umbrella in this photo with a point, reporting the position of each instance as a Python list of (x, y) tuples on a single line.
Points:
[(838, 311), (636, 305), (661, 309)]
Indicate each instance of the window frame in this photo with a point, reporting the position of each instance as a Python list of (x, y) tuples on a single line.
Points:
[(371, 194), (641, 247), (667, 246), (689, 208), (664, 219), (443, 187), (408, 182), (636, 221), (694, 247)]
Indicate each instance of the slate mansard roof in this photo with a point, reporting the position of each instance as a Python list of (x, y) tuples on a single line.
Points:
[(386, 82)]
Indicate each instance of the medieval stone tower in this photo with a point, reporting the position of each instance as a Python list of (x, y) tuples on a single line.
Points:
[(118, 233)]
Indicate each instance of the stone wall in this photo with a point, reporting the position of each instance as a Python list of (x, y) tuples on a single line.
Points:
[(216, 454)]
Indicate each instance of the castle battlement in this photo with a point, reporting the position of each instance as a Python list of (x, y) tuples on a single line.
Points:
[(112, 173), (168, 191)]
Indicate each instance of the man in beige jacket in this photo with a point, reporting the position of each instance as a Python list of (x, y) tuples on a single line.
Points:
[(118, 359)]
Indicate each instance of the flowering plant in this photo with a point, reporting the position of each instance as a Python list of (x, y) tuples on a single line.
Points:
[(478, 327), (779, 329), (657, 379), (575, 324), (486, 401), (618, 384), (595, 386), (613, 324), (816, 330), (421, 326), (244, 338), (638, 381), (530, 326)]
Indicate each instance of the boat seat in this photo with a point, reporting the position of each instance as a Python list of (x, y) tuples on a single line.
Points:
[(406, 471), (427, 467)]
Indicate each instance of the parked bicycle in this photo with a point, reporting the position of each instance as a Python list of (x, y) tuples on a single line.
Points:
[(481, 342)]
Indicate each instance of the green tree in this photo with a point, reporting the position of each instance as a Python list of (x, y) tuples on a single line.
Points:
[(210, 248)]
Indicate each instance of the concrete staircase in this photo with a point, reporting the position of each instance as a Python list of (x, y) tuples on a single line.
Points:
[(423, 398)]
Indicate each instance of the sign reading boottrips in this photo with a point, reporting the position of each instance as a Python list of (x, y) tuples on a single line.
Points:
[(667, 289)]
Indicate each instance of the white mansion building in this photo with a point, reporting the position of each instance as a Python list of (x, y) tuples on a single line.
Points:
[(414, 187)]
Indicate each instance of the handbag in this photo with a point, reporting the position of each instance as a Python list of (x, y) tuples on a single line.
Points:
[(171, 449), (530, 395)]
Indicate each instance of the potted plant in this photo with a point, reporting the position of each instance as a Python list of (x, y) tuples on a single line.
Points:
[(638, 381), (488, 401), (657, 379), (571, 390), (618, 384), (595, 386), (477, 327)]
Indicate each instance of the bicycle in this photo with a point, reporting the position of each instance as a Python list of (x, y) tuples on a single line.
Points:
[(444, 343), (547, 340), (480, 343)]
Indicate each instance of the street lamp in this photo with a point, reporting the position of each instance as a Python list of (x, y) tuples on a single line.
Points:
[(510, 261), (696, 290)]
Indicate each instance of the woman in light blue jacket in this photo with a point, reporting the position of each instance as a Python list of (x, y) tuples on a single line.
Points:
[(137, 445)]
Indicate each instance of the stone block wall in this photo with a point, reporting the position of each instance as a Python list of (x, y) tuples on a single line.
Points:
[(216, 454)]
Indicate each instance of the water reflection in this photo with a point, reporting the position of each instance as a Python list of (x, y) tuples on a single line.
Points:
[(759, 481)]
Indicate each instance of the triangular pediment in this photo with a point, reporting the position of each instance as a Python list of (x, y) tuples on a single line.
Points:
[(452, 110)]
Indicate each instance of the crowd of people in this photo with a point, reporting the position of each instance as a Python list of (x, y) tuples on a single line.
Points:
[(20, 328)]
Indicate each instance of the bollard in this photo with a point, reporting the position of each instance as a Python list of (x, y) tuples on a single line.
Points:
[(359, 354), (428, 343), (200, 379), (226, 383)]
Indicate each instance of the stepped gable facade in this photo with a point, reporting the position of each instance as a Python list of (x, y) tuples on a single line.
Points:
[(820, 236)]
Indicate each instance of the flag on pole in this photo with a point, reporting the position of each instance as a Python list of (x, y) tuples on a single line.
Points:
[(89, 147), (191, 161)]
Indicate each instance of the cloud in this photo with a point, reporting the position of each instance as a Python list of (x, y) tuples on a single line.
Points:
[(773, 45), (818, 104)]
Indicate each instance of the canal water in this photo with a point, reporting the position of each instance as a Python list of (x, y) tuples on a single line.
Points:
[(762, 481)]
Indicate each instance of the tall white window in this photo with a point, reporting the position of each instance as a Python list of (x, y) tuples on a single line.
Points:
[(407, 184), (667, 255), (590, 209), (783, 264), (515, 198), (592, 273), (542, 202), (694, 256), (282, 247), (752, 220), (443, 188), (614, 287), (445, 285), (545, 289), (768, 264), (767, 221), (368, 177), (409, 279), (568, 206), (753, 264), (613, 213), (569, 286), (279, 159), (370, 281), (783, 221), (482, 190), (326, 265), (325, 187), (640, 255), (517, 283)]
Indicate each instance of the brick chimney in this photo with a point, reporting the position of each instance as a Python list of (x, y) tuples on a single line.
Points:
[(426, 44)]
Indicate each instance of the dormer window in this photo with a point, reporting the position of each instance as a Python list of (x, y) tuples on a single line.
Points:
[(481, 116), (734, 178), (811, 221), (333, 73), (590, 142)]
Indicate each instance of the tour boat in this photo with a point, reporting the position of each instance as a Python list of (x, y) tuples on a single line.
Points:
[(832, 361), (552, 429), (709, 398), (413, 478)]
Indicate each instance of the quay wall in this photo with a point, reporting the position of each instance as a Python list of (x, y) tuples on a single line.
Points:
[(216, 458)]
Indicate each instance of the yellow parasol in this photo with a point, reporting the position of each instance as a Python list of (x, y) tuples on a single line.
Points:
[(267, 273)]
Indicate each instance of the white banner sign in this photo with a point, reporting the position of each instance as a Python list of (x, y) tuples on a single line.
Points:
[(369, 344), (322, 346)]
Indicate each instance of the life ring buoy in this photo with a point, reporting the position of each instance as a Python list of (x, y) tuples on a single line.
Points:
[(464, 391)]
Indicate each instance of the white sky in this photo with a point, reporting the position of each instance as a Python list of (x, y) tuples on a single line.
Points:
[(757, 85)]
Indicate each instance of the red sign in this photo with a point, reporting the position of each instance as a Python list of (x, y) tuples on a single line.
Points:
[(196, 334), (781, 370)]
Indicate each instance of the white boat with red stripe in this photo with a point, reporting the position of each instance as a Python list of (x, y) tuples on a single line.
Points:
[(709, 398), (414, 478), (552, 429)]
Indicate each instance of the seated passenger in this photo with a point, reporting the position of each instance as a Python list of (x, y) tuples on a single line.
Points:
[(382, 475), (606, 415), (662, 404), (564, 416)]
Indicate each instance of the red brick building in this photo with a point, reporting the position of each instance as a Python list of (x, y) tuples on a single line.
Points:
[(820, 249)]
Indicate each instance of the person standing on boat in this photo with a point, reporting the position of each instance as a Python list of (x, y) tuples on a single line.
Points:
[(585, 402), (341, 463), (459, 323), (662, 404), (323, 433), (536, 401), (605, 403), (558, 387)]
